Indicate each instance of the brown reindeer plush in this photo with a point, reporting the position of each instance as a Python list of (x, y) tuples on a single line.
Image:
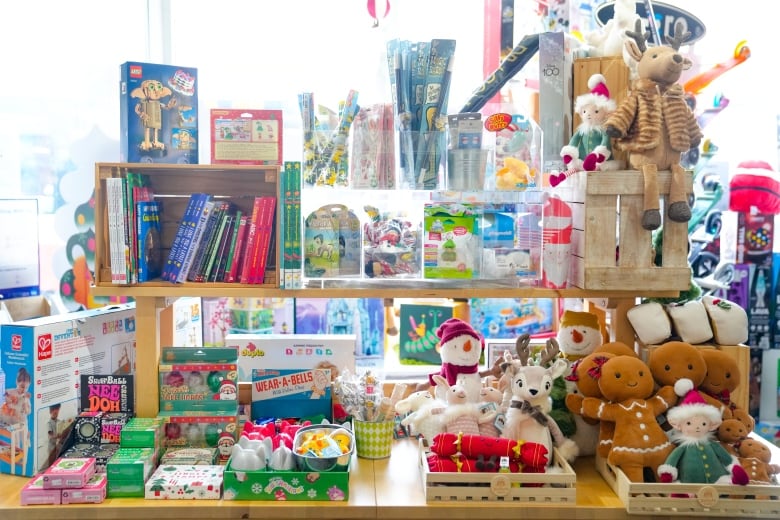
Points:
[(654, 123)]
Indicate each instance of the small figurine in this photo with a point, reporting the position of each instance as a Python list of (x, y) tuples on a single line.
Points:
[(149, 108)]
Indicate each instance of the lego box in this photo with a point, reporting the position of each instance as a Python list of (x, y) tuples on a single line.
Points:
[(43, 359), (159, 114)]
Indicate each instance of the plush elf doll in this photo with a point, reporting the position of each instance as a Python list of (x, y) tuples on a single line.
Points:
[(698, 458)]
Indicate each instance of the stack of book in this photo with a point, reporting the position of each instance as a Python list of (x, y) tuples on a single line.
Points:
[(217, 242)]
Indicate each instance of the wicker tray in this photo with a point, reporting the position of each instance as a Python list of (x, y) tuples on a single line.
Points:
[(753, 501), (556, 488)]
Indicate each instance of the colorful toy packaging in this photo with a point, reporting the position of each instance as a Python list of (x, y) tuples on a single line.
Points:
[(43, 359), (158, 113), (185, 482), (332, 245), (450, 241), (246, 136)]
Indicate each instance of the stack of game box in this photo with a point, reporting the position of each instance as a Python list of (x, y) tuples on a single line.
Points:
[(135, 460), (67, 481), (96, 434), (199, 398)]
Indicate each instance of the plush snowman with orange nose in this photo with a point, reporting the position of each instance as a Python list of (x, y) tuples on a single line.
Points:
[(460, 348)]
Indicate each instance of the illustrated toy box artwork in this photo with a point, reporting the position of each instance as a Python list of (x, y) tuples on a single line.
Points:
[(450, 241), (261, 315), (299, 393), (418, 323), (216, 430), (43, 359), (185, 482), (159, 113), (511, 317), (363, 317), (246, 136), (291, 351), (332, 243), (202, 387)]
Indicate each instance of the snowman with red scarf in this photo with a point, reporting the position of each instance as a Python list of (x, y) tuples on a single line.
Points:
[(460, 347)]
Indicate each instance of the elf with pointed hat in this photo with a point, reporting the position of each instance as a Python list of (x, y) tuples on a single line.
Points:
[(590, 146), (698, 458)]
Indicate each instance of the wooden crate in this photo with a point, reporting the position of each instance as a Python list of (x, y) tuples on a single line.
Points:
[(607, 212), (172, 185), (754, 501), (557, 487), (741, 356)]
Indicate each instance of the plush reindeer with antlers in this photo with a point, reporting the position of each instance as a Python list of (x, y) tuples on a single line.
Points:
[(526, 395), (654, 123)]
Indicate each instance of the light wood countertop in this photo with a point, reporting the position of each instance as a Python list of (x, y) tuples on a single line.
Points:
[(384, 489)]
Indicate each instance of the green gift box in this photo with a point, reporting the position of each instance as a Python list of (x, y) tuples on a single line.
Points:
[(285, 485)]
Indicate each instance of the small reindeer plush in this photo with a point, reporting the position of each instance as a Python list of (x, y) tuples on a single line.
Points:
[(528, 384), (654, 123)]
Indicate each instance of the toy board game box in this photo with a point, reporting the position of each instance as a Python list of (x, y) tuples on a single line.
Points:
[(185, 482), (246, 136), (292, 351), (43, 359), (284, 393), (363, 317), (511, 317), (158, 113)]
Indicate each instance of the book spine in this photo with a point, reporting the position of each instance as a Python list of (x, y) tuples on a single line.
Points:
[(291, 226), (265, 232), (137, 189), (201, 230), (231, 246), (206, 244), (216, 246), (217, 273), (148, 232), (249, 244), (114, 209), (235, 261), (194, 207)]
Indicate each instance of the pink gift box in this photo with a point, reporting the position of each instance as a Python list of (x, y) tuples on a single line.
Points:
[(33, 493), (69, 473), (94, 492)]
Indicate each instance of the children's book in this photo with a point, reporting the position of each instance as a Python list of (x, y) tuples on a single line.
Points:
[(115, 207), (249, 243), (237, 250), (200, 230), (180, 242), (265, 231), (149, 263)]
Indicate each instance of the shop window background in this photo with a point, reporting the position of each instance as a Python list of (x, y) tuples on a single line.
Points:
[(59, 99)]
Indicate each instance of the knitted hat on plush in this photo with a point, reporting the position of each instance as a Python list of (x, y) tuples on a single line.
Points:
[(454, 327), (692, 405), (579, 319), (599, 94)]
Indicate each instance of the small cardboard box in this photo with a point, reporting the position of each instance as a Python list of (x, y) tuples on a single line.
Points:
[(69, 473), (102, 453), (246, 136), (216, 430), (43, 359), (33, 493), (131, 464), (17, 309), (291, 393), (291, 351), (285, 485), (185, 482), (201, 387), (181, 323), (93, 492), (158, 114), (141, 432), (451, 236)]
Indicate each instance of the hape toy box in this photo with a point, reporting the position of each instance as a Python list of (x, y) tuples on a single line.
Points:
[(158, 113), (43, 359)]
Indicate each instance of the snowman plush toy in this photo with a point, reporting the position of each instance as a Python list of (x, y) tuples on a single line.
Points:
[(460, 347)]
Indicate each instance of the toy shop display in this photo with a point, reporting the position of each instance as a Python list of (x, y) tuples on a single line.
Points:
[(506, 318), (68, 481), (332, 243), (518, 152), (391, 245), (158, 113), (169, 482), (246, 136)]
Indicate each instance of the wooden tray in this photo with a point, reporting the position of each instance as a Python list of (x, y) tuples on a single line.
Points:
[(557, 488)]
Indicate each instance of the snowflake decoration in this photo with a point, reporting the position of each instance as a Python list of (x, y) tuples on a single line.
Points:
[(294, 481), (201, 493), (312, 493), (229, 494), (257, 488)]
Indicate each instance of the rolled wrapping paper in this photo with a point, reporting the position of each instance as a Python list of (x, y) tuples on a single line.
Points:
[(473, 446), (514, 61)]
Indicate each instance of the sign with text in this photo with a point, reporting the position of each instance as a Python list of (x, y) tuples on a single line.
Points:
[(107, 393)]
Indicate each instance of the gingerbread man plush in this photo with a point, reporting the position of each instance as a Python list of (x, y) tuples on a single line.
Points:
[(721, 380), (638, 441), (754, 457), (730, 433)]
